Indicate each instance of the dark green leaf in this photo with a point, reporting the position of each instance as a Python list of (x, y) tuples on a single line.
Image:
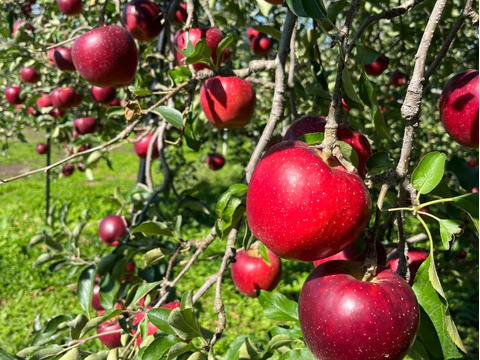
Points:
[(144, 289), (469, 203), (4, 355), (226, 42), (159, 347), (76, 326), (315, 9), (85, 287), (202, 53), (191, 137), (365, 55), (233, 191), (278, 307), (115, 111), (152, 228), (270, 30), (52, 329), (93, 323), (184, 323), (178, 349), (313, 138), (296, 7), (448, 230), (281, 340), (173, 116), (248, 351), (159, 318), (349, 153), (379, 162), (429, 172), (348, 89), (153, 256)]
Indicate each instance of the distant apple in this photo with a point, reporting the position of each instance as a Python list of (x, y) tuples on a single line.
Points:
[(44, 101), (261, 45), (70, 7), (111, 230), (115, 102), (130, 269), (113, 340), (106, 56), (32, 111), (103, 95), (65, 98), (143, 19), (378, 66), (57, 113), (228, 102), (96, 298), (215, 161), (141, 146), (28, 27), (26, 9), (41, 148), (85, 125), (62, 59), (81, 167), (398, 78), (12, 94), (181, 14), (253, 33), (68, 170), (415, 258), (472, 162), (30, 75)]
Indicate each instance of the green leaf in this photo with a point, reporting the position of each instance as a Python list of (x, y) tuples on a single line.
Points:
[(152, 228), (348, 89), (281, 340), (315, 9), (278, 307), (379, 162), (197, 356), (94, 157), (101, 355), (365, 55), (178, 349), (349, 153), (222, 45), (173, 116), (180, 74), (295, 354), (270, 30), (234, 190), (448, 230), (184, 323), (73, 354), (93, 323), (202, 54), (249, 351), (144, 289), (159, 347), (47, 257), (263, 251), (115, 111), (437, 309), (159, 318), (4, 355), (76, 326), (85, 287), (192, 139), (153, 256), (313, 138), (469, 203), (429, 172), (52, 329), (45, 353), (233, 349)]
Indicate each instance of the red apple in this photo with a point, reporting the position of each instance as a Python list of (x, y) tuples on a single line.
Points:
[(70, 7), (472, 162), (68, 170), (57, 113), (96, 298), (228, 102), (115, 102), (111, 230), (213, 36), (311, 123), (30, 75), (181, 14), (143, 19), (12, 94), (81, 167), (85, 125), (129, 271), (275, 2), (215, 161), (41, 148), (343, 317), (141, 146), (103, 95), (44, 101), (110, 340), (106, 56), (398, 78), (261, 45), (65, 98), (459, 108), (171, 305), (253, 33), (378, 66), (415, 258), (32, 111), (302, 209), (26, 9), (62, 59), (251, 273)]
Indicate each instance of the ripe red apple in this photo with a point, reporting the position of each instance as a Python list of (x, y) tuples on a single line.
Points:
[(30, 75), (228, 102), (12, 94), (181, 14), (215, 161), (459, 108), (68, 170), (472, 162), (103, 95), (70, 7), (213, 36), (62, 59), (302, 209), (32, 111), (415, 258), (28, 27), (261, 45), (152, 329), (378, 66), (253, 33), (96, 298), (311, 123), (85, 125), (115, 102), (251, 273), (106, 56), (44, 101), (65, 98), (111, 230), (141, 146), (110, 340), (41, 148), (343, 317), (143, 19), (398, 78)]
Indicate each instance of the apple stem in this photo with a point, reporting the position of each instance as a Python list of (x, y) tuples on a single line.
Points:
[(101, 19)]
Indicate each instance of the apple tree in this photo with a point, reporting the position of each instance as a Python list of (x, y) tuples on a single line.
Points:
[(354, 125)]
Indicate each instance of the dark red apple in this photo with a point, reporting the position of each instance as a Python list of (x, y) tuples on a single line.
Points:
[(12, 94), (213, 36), (398, 78), (30, 75), (68, 170), (26, 9), (143, 19), (181, 14), (85, 125), (70, 7), (65, 98), (103, 95), (113, 340), (228, 102), (41, 148), (472, 162), (415, 258), (311, 123), (459, 108), (115, 102), (250, 273), (378, 66), (111, 230), (62, 59), (96, 298), (215, 161), (141, 146), (106, 56), (57, 113), (343, 317), (261, 45), (81, 167), (302, 209), (44, 101)]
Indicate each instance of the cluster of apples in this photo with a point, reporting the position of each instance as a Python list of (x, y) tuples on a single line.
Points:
[(260, 43)]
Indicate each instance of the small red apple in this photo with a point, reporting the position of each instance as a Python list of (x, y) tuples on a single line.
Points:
[(302, 209), (81, 167), (415, 258), (130, 269), (143, 19), (378, 66), (215, 161), (251, 273), (115, 102), (343, 317), (261, 45), (62, 59), (103, 95), (110, 340), (398, 78), (141, 146), (96, 298), (106, 56), (459, 108), (253, 33), (85, 125), (12, 94), (70, 7), (111, 230), (65, 98), (32, 111), (228, 102), (181, 14), (68, 170), (57, 113), (41, 148), (44, 101), (30, 75)]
